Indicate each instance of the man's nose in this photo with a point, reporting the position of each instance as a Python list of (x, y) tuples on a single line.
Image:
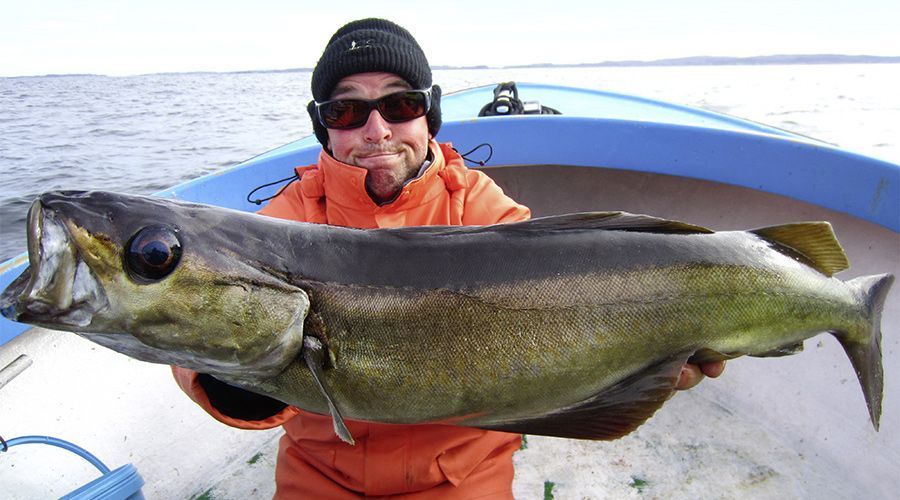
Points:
[(376, 128)]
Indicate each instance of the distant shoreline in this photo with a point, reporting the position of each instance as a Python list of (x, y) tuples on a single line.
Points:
[(782, 59), (732, 61)]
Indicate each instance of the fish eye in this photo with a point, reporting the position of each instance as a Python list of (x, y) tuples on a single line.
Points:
[(152, 253)]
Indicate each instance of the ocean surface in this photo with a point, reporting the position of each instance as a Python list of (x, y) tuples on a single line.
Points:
[(141, 134)]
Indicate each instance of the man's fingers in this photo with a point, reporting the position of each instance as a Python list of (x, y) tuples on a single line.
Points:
[(714, 369), (691, 374)]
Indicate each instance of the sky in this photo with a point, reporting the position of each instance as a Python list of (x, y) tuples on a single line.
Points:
[(126, 37)]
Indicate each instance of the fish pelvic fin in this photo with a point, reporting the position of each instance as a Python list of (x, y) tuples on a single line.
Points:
[(812, 243), (864, 350), (315, 357), (614, 412), (706, 355)]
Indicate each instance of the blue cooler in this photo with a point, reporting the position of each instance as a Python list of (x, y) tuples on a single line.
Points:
[(120, 484)]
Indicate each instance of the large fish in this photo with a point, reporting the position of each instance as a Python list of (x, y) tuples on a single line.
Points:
[(573, 326)]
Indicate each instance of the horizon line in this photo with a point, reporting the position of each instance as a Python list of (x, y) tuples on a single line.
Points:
[(774, 59)]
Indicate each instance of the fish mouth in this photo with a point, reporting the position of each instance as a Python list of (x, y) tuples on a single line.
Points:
[(58, 289)]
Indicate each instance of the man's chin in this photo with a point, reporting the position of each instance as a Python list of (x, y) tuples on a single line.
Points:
[(388, 162), (383, 185)]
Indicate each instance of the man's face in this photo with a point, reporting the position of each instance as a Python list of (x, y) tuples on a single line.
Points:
[(391, 152)]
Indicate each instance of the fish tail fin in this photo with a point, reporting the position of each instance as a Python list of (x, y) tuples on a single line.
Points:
[(864, 350)]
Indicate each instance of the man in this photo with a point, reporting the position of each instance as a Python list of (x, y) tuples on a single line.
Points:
[(376, 114)]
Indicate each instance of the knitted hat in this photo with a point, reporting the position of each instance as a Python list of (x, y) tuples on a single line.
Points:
[(372, 45)]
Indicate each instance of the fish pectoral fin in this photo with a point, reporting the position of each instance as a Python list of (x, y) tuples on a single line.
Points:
[(315, 356), (786, 350), (610, 414), (314, 326)]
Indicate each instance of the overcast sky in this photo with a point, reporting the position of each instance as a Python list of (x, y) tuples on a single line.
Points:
[(127, 37)]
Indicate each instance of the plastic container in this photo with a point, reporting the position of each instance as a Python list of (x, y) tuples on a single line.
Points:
[(123, 483)]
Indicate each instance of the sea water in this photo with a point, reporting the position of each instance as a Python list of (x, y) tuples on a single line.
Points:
[(141, 134)]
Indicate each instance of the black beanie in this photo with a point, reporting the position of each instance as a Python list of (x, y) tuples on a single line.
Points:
[(372, 45)]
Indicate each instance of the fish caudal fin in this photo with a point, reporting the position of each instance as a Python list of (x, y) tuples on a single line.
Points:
[(865, 352)]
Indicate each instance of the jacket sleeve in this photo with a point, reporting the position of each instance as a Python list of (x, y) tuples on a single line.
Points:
[(231, 405), (487, 204), (228, 404)]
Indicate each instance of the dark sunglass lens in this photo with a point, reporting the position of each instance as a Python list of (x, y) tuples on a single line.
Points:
[(402, 106), (344, 114)]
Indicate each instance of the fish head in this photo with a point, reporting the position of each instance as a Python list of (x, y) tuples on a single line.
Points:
[(158, 280)]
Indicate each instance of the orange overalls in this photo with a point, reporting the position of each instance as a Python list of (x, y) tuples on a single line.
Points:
[(405, 461)]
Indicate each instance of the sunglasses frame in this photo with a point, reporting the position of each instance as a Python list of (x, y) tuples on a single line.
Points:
[(374, 104)]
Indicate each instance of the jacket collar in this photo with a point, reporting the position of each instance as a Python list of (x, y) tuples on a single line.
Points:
[(346, 184)]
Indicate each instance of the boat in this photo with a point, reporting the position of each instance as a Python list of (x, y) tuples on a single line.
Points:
[(768, 428)]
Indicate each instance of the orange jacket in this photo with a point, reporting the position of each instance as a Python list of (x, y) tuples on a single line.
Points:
[(429, 461)]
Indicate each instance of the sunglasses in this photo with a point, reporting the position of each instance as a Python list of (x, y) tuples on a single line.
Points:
[(398, 107)]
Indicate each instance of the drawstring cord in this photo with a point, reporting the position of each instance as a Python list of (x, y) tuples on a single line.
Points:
[(480, 163), (259, 201)]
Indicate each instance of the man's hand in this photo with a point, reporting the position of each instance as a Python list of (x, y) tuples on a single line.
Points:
[(691, 375)]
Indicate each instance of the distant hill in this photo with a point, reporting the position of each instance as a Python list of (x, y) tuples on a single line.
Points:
[(735, 61), (681, 61)]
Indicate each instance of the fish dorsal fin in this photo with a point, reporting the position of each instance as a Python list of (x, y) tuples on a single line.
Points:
[(582, 221), (610, 414), (812, 243), (609, 221)]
